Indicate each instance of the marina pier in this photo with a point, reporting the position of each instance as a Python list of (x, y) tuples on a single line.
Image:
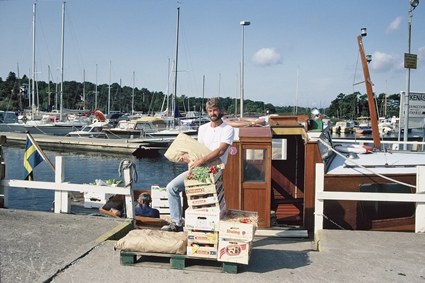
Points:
[(88, 144)]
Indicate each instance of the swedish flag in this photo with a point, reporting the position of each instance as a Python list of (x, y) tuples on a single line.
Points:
[(31, 159)]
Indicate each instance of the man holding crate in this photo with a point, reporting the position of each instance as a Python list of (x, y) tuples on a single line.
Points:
[(217, 136)]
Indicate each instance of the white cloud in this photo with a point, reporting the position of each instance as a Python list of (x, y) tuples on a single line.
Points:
[(395, 25), (266, 57), (421, 54), (382, 62)]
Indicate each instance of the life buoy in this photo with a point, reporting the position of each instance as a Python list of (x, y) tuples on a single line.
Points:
[(245, 122), (94, 121), (353, 148), (99, 115)]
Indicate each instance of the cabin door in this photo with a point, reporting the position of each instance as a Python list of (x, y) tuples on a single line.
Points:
[(288, 179)]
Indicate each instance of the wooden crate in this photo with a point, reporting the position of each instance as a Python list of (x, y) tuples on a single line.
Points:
[(196, 201)]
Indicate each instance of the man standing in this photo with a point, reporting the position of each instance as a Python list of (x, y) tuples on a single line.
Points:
[(217, 136)]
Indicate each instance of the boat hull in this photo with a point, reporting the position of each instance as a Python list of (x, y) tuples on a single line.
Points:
[(369, 215)]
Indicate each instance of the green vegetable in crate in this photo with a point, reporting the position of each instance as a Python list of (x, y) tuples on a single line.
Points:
[(109, 182), (202, 174)]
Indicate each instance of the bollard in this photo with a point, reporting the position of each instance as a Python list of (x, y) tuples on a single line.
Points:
[(125, 168)]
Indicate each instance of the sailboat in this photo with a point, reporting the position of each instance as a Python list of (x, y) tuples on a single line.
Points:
[(174, 125), (381, 171), (51, 123), (283, 156)]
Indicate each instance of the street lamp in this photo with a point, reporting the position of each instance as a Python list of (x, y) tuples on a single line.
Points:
[(243, 24), (413, 5)]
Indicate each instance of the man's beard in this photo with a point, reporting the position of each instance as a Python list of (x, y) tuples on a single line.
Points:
[(216, 118)]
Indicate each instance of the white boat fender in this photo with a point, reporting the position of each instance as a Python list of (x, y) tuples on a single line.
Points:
[(353, 148)]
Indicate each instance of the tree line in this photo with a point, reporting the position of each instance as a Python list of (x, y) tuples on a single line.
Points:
[(15, 94), (356, 105)]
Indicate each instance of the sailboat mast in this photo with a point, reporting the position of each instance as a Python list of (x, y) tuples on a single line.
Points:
[(385, 98), (176, 61), (20, 90), (370, 99), (84, 89), (109, 89), (203, 94), (33, 63), (48, 86), (95, 95), (132, 99), (296, 92), (62, 59)]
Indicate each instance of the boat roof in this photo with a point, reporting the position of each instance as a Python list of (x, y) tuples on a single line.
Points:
[(154, 120), (395, 162)]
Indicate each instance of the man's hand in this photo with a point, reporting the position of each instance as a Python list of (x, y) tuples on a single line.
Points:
[(196, 163), (186, 158)]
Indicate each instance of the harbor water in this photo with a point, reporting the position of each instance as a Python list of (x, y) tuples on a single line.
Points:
[(82, 168)]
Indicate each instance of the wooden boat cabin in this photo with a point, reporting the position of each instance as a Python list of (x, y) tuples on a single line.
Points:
[(272, 169)]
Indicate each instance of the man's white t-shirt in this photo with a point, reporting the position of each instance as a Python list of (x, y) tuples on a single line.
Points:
[(212, 137)]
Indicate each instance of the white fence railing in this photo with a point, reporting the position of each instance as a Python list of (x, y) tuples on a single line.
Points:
[(394, 145), (62, 197), (418, 198)]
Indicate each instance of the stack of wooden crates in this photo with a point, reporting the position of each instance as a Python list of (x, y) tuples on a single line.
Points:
[(206, 206), (236, 235), (213, 233)]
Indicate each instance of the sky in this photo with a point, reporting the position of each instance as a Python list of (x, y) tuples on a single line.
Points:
[(302, 53)]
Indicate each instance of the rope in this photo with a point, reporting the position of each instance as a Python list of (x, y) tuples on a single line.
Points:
[(127, 164), (330, 220), (372, 172)]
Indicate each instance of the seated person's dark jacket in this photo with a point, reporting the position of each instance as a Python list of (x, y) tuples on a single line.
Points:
[(146, 211)]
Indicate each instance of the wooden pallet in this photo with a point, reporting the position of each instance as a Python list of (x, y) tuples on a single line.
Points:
[(174, 261)]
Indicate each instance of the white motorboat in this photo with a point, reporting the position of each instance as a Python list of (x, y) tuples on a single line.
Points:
[(343, 127), (94, 130)]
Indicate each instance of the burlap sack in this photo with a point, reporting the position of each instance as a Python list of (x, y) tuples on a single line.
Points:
[(153, 241), (185, 144)]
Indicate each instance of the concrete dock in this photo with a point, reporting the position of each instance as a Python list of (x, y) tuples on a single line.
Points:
[(50, 142), (48, 247)]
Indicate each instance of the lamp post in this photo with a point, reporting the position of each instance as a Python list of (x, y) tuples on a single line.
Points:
[(243, 24), (413, 5)]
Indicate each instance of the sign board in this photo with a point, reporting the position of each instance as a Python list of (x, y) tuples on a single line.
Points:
[(410, 60), (416, 109)]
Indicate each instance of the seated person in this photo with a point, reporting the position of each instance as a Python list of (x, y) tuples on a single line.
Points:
[(143, 207)]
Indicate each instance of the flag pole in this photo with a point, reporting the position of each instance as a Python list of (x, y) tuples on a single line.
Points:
[(45, 157), (40, 150)]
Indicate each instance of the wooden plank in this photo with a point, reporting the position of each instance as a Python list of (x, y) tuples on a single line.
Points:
[(319, 206), (420, 207), (282, 233), (360, 196)]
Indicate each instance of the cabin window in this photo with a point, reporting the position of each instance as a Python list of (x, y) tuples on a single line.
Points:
[(254, 165), (279, 149), (379, 210), (140, 126)]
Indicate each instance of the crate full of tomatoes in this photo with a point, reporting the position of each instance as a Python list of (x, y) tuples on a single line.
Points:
[(238, 224)]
